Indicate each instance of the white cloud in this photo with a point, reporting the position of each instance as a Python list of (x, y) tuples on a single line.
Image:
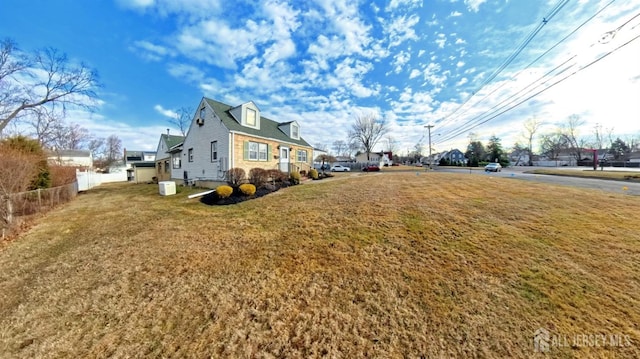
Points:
[(474, 5), (165, 112), (441, 40), (455, 14), (409, 4), (401, 29), (400, 60)]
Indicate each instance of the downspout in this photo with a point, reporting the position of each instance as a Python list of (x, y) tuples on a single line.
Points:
[(231, 150)]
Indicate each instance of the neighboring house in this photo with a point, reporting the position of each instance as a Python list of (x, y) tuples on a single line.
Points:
[(73, 158), (141, 159), (141, 172), (519, 157), (344, 159), (634, 156), (383, 157), (317, 153), (163, 155), (222, 137), (455, 156)]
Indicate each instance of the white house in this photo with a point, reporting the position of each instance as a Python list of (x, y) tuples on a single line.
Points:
[(73, 158)]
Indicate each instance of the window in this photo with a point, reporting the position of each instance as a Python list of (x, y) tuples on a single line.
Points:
[(255, 151), (177, 162), (302, 156), (190, 155), (203, 113), (295, 131), (251, 117), (166, 166), (214, 151), (262, 151)]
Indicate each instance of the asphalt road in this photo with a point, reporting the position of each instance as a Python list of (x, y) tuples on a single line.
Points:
[(517, 173)]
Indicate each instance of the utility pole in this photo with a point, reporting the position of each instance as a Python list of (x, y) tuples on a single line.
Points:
[(429, 127)]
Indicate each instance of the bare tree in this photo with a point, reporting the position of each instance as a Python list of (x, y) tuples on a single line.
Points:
[(72, 137), (320, 146), (96, 146), (45, 124), (392, 145), (531, 127), (367, 131), (182, 119), (551, 144), (113, 149), (570, 131), (47, 77), (339, 147)]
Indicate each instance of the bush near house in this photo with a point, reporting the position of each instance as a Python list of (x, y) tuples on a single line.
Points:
[(247, 189), (236, 176), (294, 177), (258, 177), (313, 174), (224, 191)]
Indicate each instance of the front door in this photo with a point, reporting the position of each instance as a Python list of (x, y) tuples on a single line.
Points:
[(284, 159)]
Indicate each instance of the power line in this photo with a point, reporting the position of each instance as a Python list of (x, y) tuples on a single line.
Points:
[(549, 87), (512, 56), (472, 123), (535, 61)]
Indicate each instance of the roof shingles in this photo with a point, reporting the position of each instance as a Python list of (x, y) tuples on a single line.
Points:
[(268, 128)]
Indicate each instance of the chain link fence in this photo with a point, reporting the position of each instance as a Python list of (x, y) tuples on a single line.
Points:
[(15, 206)]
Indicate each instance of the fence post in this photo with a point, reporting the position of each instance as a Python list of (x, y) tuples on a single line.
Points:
[(39, 198), (9, 210)]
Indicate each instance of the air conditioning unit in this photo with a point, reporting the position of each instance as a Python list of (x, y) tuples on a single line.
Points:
[(200, 121)]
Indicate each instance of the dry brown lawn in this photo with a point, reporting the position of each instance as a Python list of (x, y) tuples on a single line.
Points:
[(368, 265), (633, 176)]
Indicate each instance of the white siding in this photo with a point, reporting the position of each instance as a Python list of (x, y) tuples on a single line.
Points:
[(161, 150), (199, 139)]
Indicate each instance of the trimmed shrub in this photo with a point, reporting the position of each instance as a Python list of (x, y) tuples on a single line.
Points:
[(247, 189), (235, 176), (258, 177), (294, 177), (224, 191), (313, 173), (276, 175)]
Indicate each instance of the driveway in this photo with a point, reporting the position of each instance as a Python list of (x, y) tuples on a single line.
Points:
[(517, 173)]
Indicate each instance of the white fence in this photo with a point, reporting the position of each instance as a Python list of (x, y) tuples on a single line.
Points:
[(89, 179)]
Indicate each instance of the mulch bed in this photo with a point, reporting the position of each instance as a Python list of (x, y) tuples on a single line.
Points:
[(213, 199)]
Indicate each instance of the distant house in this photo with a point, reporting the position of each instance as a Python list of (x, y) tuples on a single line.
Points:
[(382, 157), (140, 165), (519, 157), (453, 157), (73, 158), (163, 155), (317, 153), (345, 159), (222, 137)]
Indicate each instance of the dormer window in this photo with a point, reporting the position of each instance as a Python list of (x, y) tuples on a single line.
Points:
[(295, 131), (251, 117)]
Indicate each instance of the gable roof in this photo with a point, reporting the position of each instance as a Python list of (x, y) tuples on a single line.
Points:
[(171, 140), (268, 128)]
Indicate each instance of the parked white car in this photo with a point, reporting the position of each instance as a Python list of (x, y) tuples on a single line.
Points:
[(340, 168)]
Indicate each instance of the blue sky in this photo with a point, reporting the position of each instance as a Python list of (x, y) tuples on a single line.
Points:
[(321, 62)]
